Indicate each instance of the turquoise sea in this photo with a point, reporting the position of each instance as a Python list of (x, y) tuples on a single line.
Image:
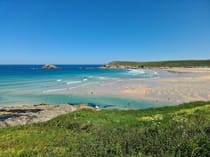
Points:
[(28, 84)]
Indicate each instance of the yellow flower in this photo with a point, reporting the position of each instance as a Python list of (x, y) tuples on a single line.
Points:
[(156, 117)]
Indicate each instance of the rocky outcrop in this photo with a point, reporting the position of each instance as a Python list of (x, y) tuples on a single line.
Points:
[(49, 67), (114, 65), (21, 115)]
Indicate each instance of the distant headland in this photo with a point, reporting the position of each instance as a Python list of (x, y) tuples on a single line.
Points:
[(157, 64)]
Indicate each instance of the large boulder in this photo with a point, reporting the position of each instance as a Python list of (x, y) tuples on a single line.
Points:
[(49, 67)]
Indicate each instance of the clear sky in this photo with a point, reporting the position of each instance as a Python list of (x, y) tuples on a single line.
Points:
[(99, 31)]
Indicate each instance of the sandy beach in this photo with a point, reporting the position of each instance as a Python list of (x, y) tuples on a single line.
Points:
[(177, 86), (174, 86)]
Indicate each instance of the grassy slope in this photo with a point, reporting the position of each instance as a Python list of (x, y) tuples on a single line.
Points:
[(182, 63), (182, 130)]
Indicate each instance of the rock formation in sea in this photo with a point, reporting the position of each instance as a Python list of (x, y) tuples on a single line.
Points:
[(49, 67)]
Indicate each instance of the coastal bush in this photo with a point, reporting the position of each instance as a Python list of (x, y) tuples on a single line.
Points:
[(182, 130), (182, 63)]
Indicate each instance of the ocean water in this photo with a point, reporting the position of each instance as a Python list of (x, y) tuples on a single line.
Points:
[(28, 84)]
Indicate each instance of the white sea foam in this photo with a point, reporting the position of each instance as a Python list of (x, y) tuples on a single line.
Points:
[(59, 80), (53, 90), (82, 85), (136, 71), (73, 82), (85, 79), (101, 78)]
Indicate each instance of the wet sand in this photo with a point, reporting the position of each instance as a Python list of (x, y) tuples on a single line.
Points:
[(174, 86)]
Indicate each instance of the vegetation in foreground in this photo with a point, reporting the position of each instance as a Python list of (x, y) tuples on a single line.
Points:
[(182, 130), (180, 63)]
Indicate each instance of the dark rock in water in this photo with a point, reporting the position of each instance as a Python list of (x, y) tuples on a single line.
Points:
[(109, 106), (49, 67), (93, 105)]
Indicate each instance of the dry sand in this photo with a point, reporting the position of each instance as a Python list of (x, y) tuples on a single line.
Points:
[(175, 85), (179, 85)]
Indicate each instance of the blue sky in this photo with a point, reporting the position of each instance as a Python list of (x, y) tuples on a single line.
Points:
[(99, 31)]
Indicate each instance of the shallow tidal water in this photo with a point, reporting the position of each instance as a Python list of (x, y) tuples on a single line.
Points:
[(28, 84)]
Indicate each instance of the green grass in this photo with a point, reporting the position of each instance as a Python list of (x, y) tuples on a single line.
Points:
[(182, 130), (181, 63)]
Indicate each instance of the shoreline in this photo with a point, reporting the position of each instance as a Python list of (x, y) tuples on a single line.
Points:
[(174, 86)]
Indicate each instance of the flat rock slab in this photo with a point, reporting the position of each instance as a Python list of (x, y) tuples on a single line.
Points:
[(21, 115)]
